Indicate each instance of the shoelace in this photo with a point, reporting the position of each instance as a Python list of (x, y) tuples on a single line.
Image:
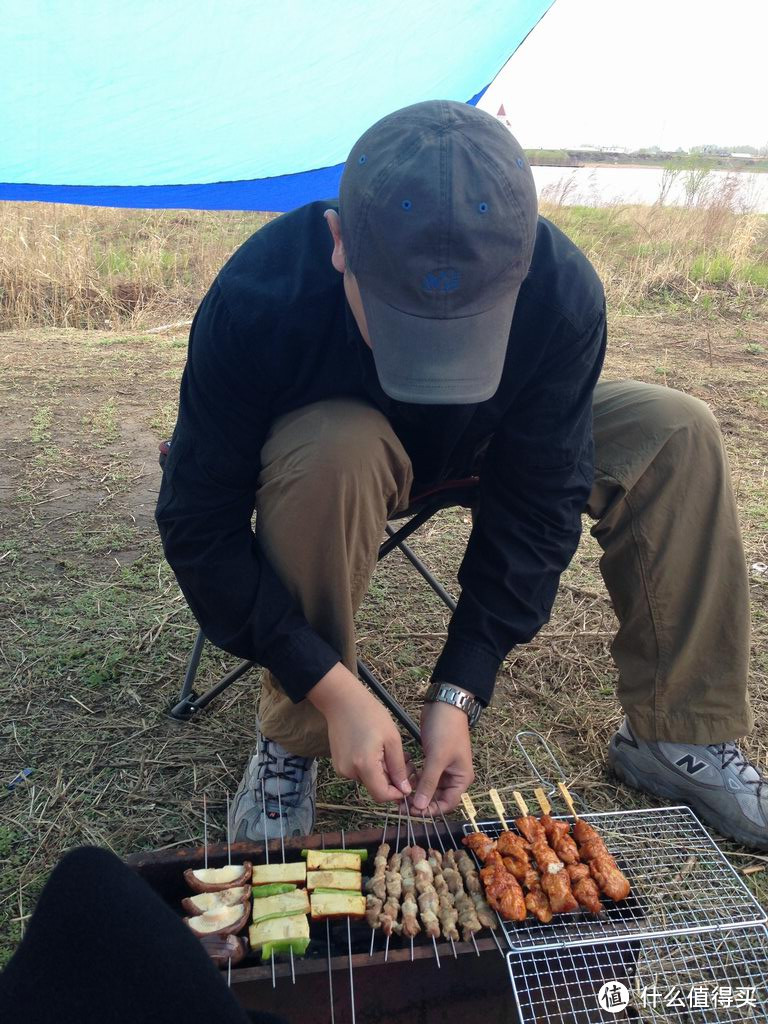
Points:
[(293, 768), (730, 754)]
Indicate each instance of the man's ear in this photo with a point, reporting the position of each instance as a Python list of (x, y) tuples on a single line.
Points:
[(338, 258)]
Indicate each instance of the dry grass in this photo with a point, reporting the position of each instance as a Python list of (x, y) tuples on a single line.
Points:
[(69, 266), (94, 633)]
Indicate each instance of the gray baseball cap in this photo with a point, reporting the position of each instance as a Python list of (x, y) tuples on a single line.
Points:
[(438, 215)]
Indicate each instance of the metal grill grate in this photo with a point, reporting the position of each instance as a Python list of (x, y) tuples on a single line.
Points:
[(697, 979), (680, 882)]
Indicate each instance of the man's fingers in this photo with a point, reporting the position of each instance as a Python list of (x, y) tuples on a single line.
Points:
[(394, 759), (430, 777), (374, 776)]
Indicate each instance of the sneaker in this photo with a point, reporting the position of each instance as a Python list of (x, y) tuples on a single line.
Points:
[(290, 784), (717, 781)]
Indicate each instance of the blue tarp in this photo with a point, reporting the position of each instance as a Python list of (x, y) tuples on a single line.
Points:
[(225, 104)]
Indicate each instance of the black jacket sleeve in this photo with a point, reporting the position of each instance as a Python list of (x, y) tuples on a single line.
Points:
[(534, 484), (207, 500)]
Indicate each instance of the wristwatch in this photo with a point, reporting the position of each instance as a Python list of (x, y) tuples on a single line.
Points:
[(448, 694)]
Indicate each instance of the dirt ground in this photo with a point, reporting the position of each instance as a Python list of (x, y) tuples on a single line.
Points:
[(95, 633)]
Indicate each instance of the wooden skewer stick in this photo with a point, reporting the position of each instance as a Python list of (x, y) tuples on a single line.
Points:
[(544, 803), (567, 797), (499, 808), (469, 807), (521, 802)]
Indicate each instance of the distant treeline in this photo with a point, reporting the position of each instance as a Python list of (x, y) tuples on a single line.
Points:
[(681, 161)]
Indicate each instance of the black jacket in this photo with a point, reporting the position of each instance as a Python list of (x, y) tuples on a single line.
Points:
[(274, 333)]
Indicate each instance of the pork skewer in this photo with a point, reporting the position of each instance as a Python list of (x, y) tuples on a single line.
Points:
[(427, 900), (447, 913), (376, 886), (391, 909), (583, 886)]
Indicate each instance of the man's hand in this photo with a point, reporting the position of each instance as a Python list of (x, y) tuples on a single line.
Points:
[(447, 771), (365, 743)]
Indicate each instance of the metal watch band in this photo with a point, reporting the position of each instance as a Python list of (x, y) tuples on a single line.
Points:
[(448, 694)]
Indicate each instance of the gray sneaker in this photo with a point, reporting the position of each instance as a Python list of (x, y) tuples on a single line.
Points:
[(724, 789), (290, 784)]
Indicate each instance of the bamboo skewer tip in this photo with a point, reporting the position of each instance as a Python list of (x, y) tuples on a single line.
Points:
[(499, 808), (544, 803), (520, 801), (568, 799), (469, 807)]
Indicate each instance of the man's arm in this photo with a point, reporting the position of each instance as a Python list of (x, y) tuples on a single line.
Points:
[(204, 516), (206, 502), (534, 485), (535, 482)]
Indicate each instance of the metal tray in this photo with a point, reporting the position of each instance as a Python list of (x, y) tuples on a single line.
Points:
[(680, 880), (705, 978)]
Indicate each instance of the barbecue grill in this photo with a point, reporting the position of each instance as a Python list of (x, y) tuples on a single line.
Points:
[(690, 924)]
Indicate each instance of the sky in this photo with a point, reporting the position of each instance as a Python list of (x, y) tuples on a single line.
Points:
[(635, 73)]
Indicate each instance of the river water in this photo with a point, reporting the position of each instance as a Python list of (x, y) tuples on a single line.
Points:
[(602, 186)]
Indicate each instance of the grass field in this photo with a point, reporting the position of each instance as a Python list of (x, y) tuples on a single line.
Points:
[(94, 630)]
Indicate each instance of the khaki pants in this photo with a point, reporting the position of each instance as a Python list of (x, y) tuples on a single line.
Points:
[(673, 562)]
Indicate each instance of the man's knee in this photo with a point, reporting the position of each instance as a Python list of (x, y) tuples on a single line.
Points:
[(335, 441)]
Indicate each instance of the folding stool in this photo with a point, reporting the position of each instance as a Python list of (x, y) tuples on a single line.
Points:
[(448, 494)]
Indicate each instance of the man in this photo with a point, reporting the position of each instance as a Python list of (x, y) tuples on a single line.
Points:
[(429, 326)]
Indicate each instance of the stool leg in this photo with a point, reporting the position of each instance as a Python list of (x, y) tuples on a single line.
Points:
[(417, 563), (192, 665), (388, 700)]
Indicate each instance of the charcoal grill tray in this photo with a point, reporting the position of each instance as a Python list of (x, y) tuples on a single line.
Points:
[(680, 880)]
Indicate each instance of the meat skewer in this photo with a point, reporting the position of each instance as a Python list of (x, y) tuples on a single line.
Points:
[(467, 919), (554, 880), (583, 886), (376, 889), (515, 853), (502, 890), (592, 850), (474, 890)]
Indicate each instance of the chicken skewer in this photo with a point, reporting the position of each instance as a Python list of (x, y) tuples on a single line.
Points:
[(584, 888), (554, 879), (515, 853), (502, 890), (593, 851)]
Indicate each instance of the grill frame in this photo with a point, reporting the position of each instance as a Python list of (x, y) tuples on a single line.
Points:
[(563, 984), (712, 883)]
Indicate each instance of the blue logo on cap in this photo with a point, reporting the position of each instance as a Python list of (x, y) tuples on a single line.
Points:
[(446, 279)]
